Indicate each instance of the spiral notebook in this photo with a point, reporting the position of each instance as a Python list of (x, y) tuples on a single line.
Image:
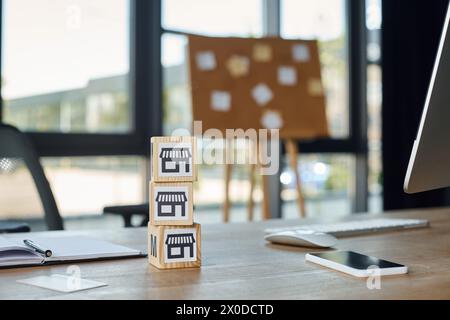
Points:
[(14, 253)]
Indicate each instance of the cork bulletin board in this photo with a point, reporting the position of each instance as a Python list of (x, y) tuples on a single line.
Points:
[(240, 83)]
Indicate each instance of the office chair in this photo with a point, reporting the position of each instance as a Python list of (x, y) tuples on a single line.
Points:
[(15, 144), (127, 213)]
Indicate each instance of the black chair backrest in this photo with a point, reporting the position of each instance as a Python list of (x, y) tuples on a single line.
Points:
[(15, 144)]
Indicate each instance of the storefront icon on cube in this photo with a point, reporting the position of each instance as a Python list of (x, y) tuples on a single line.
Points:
[(171, 247), (175, 160), (171, 203), (180, 246)]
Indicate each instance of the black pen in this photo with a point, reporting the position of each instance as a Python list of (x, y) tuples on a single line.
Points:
[(47, 253)]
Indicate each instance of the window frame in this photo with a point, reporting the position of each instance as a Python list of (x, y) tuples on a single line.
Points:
[(356, 144), (145, 97)]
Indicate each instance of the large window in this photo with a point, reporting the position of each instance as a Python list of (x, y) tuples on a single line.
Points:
[(65, 72), (374, 102), (206, 17), (89, 84), (214, 18), (327, 179), (81, 185), (324, 20), (65, 65)]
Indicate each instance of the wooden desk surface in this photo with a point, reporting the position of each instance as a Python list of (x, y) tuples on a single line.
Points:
[(238, 264)]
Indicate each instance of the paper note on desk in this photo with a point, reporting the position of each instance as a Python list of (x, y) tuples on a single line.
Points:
[(62, 283)]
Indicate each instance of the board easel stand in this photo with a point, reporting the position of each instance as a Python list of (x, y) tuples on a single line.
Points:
[(292, 151)]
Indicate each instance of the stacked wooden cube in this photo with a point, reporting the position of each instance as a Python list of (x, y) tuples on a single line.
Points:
[(173, 237)]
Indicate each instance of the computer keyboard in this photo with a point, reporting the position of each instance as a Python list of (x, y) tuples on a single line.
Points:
[(359, 227)]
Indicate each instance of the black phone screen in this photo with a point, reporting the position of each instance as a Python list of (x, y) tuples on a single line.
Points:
[(356, 260)]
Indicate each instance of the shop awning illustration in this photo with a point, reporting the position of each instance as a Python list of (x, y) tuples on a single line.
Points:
[(172, 158), (168, 203), (176, 244)]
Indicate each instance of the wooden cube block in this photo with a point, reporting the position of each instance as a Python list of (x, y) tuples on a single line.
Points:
[(171, 204), (174, 159), (171, 247)]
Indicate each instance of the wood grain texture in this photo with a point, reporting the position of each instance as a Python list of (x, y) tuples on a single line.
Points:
[(189, 204), (157, 258), (238, 264), (155, 141)]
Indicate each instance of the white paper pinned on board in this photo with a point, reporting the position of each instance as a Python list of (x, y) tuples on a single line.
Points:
[(315, 87), (221, 101), (287, 76), (300, 53), (238, 66), (272, 120), (206, 61), (262, 53), (262, 94)]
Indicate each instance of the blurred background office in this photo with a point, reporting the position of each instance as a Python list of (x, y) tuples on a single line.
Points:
[(90, 81)]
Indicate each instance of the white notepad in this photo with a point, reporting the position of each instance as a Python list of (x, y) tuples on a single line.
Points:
[(13, 252)]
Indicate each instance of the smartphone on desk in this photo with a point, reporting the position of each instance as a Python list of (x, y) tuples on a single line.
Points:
[(356, 264)]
